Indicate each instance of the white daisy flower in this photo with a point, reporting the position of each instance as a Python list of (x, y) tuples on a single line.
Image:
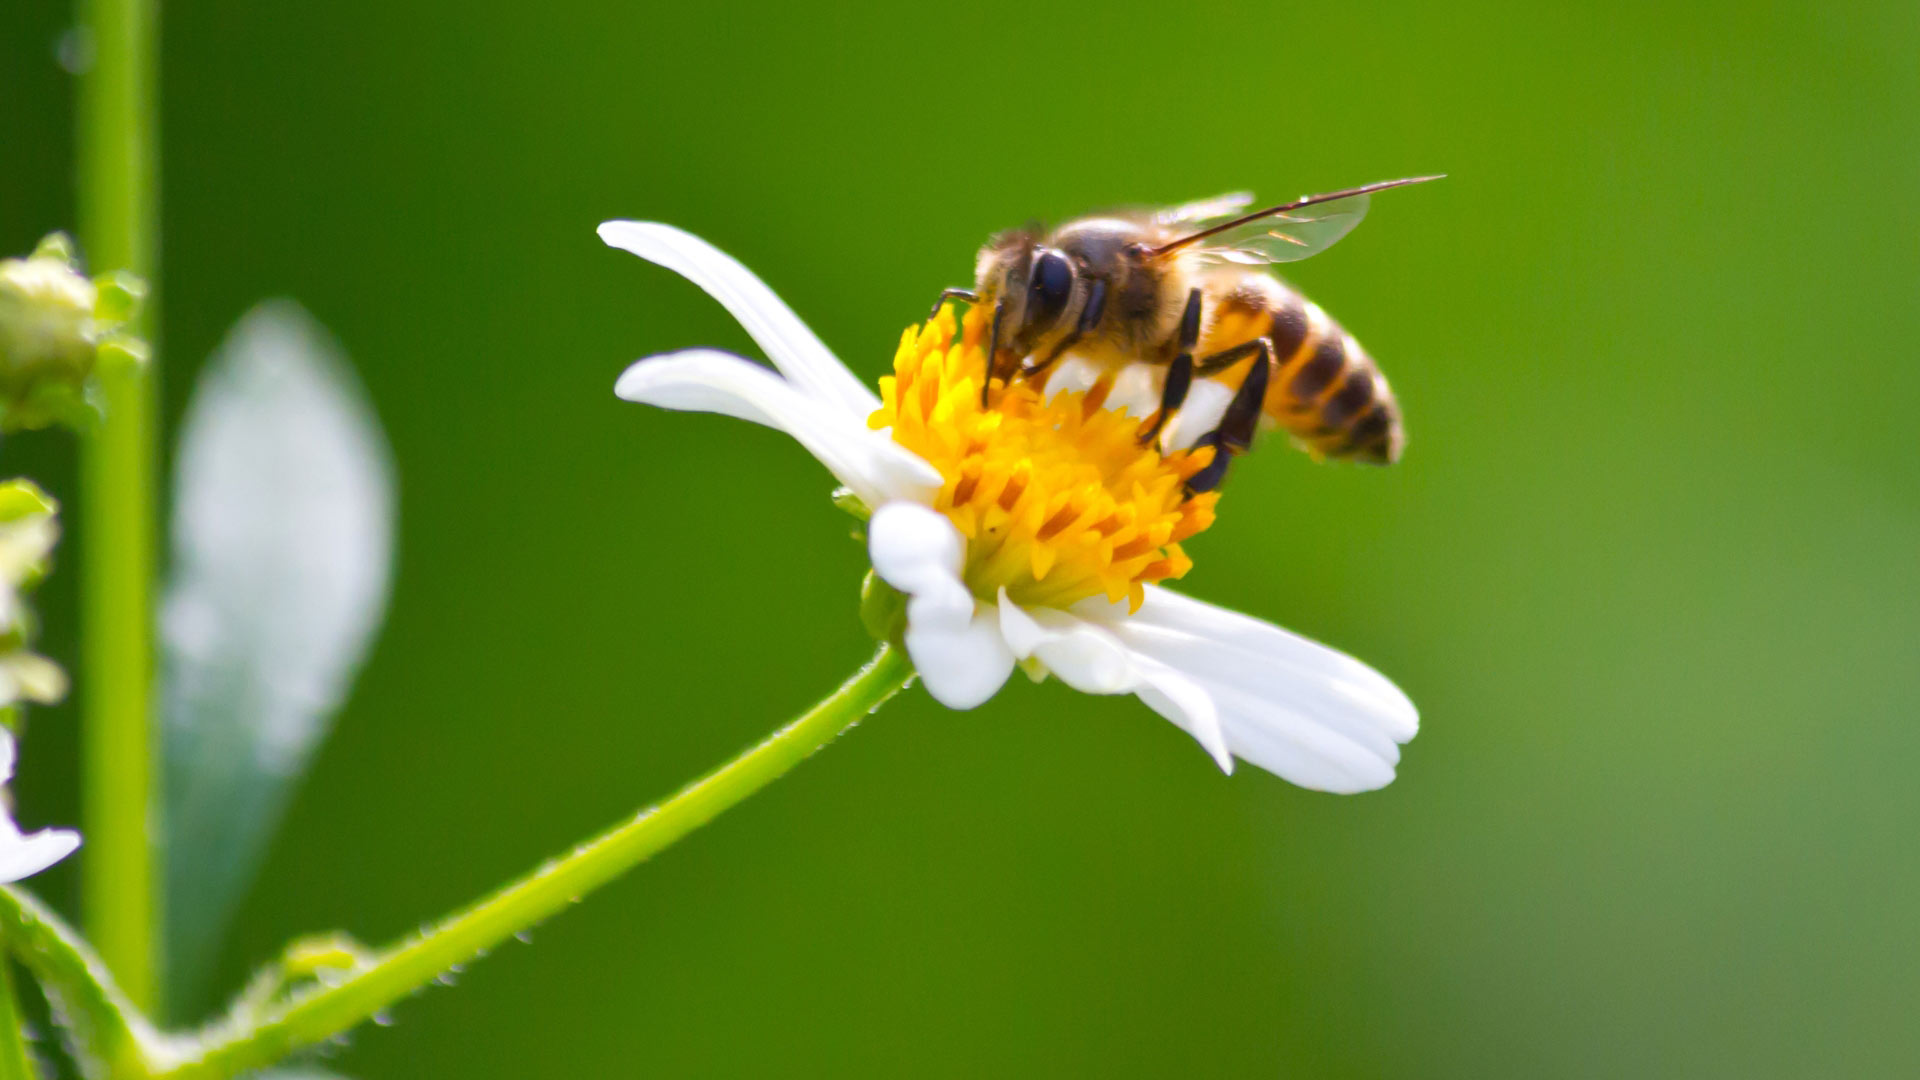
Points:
[(22, 856), (1030, 532)]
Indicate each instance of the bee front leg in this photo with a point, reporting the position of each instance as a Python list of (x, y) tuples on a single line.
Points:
[(993, 349), (968, 295), (1173, 393)]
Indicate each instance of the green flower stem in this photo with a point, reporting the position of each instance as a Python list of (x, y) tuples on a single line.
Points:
[(118, 181), (112, 1036), (16, 1062), (252, 1041)]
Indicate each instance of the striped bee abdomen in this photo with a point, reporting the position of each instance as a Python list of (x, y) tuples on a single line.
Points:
[(1324, 388)]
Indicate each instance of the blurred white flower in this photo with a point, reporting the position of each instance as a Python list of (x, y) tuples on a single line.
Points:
[(24, 855), (1029, 532)]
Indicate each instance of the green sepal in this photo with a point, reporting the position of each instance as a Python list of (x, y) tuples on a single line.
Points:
[(56, 245), (845, 499), (883, 609), (120, 295), (23, 498)]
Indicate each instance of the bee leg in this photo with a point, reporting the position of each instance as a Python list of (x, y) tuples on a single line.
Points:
[(1089, 318), (993, 349), (1173, 392), (1172, 395), (1235, 433), (1242, 417), (968, 295)]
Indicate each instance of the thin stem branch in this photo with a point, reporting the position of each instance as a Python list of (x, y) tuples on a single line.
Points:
[(118, 155), (249, 1041)]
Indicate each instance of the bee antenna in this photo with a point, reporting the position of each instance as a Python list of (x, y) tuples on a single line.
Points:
[(1305, 200)]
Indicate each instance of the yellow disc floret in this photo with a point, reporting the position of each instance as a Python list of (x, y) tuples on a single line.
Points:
[(1059, 499)]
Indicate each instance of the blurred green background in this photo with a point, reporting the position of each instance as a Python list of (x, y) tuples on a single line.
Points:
[(1648, 566)]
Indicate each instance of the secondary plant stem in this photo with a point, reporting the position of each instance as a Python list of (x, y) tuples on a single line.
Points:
[(117, 169), (323, 1012), (16, 1062)]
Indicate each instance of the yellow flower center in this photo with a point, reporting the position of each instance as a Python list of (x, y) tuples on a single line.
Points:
[(1059, 499)]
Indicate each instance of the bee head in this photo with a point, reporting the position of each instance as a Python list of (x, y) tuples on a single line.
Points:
[(1036, 282)]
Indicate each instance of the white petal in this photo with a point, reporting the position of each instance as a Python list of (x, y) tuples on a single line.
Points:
[(1301, 747), (955, 642), (792, 347), (878, 469), (25, 856), (1084, 656), (1187, 704), (1089, 658), (1232, 645), (6, 755), (914, 548), (962, 665), (1310, 714)]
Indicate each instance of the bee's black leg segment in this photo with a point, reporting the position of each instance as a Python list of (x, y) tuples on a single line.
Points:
[(993, 348), (968, 295), (1089, 318), (1173, 393), (1190, 323), (1243, 412)]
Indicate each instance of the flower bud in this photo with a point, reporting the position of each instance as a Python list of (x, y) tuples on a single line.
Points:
[(28, 530), (56, 329)]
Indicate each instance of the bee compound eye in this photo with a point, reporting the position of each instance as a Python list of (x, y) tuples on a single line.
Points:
[(1048, 289)]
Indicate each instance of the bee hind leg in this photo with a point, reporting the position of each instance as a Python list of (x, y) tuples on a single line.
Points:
[(1234, 436)]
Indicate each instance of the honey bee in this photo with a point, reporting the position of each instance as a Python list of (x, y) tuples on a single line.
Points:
[(1168, 288)]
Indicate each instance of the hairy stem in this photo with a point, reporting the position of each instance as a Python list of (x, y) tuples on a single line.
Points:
[(118, 208)]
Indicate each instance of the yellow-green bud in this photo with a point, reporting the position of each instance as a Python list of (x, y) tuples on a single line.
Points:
[(56, 327), (28, 530)]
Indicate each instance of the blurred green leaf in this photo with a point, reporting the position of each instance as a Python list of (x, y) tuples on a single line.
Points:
[(282, 544)]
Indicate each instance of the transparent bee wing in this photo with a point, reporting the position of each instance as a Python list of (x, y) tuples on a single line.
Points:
[(1288, 236), (1200, 210)]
